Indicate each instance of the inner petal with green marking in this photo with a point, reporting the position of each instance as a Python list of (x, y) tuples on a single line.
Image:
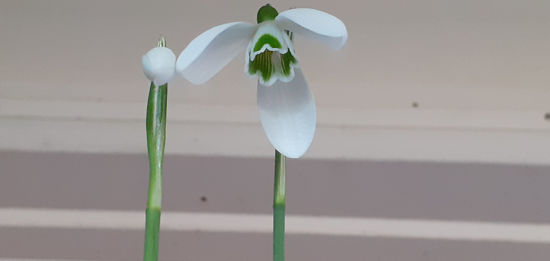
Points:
[(270, 55), (272, 65)]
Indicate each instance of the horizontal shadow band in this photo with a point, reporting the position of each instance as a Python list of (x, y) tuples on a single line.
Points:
[(305, 225)]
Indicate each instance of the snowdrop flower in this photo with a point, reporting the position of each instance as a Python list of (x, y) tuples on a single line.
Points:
[(159, 65), (285, 104)]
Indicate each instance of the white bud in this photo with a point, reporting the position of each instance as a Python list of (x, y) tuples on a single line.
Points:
[(159, 65)]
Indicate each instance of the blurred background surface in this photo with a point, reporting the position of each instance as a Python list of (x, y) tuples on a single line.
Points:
[(433, 134)]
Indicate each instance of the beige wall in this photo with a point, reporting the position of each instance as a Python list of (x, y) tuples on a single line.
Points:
[(478, 70), (462, 175)]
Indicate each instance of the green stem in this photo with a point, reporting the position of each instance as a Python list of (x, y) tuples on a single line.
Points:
[(156, 137), (152, 227), (279, 206)]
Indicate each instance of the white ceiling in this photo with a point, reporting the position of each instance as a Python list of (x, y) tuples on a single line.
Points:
[(476, 69)]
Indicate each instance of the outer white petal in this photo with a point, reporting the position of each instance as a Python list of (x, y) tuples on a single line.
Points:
[(159, 65), (314, 24), (207, 54), (287, 112)]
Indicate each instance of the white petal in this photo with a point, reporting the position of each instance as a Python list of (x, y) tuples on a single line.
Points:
[(159, 65), (314, 24), (287, 112), (207, 54)]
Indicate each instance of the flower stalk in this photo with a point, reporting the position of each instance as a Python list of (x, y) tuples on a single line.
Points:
[(279, 207), (156, 137)]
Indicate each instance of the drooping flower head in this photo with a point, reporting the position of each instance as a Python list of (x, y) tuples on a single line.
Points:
[(270, 54), (285, 104)]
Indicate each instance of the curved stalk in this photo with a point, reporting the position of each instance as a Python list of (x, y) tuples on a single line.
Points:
[(156, 137)]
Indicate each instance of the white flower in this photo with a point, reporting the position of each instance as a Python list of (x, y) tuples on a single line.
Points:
[(286, 106), (159, 65)]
